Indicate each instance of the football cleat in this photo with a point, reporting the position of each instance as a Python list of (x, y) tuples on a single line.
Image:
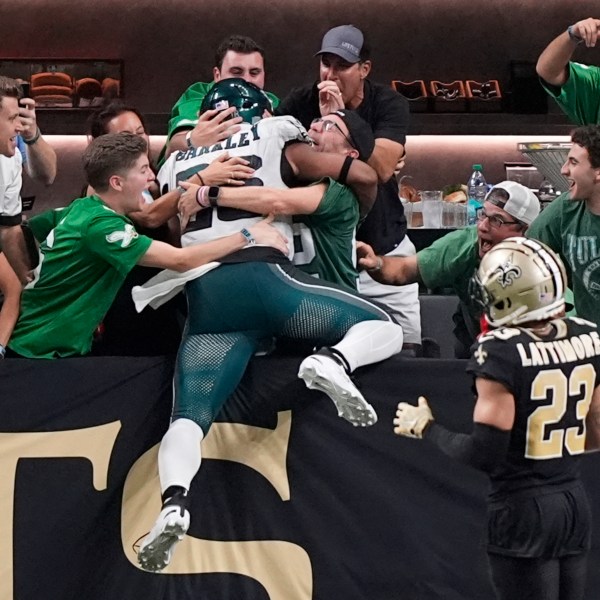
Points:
[(320, 372), (157, 547)]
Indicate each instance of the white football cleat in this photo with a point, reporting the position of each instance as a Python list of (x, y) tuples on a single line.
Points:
[(320, 372), (157, 547)]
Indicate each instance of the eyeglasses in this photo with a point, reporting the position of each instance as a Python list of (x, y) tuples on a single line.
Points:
[(329, 125), (495, 220)]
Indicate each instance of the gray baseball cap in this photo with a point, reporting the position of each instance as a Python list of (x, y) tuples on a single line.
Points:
[(346, 41)]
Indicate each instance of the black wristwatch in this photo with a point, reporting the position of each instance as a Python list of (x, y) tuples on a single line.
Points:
[(573, 36), (213, 194)]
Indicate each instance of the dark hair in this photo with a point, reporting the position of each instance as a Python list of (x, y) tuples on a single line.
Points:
[(9, 88), (589, 138), (98, 121), (111, 154), (236, 43)]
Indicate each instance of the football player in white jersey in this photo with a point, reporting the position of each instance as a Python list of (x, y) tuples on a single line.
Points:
[(251, 297)]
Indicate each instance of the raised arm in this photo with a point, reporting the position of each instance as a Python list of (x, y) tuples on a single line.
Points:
[(260, 200), (213, 126), (41, 157), (553, 61), (309, 165)]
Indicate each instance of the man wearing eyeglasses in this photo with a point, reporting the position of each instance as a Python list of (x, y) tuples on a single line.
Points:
[(450, 262), (343, 83), (326, 213), (570, 225)]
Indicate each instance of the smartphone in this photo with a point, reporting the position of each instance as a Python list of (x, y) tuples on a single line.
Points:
[(25, 88)]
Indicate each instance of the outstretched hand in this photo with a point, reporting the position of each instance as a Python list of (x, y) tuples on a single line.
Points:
[(367, 259), (410, 420)]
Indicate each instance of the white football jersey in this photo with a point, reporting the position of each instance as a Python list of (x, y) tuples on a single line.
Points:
[(262, 145)]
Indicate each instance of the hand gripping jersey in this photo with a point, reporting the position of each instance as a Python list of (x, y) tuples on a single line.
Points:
[(262, 144), (552, 380)]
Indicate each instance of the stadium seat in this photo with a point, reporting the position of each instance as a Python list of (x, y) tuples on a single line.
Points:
[(436, 321)]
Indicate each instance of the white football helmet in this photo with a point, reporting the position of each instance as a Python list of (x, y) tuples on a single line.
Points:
[(520, 280)]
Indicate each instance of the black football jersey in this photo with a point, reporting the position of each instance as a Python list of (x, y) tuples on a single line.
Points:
[(552, 380)]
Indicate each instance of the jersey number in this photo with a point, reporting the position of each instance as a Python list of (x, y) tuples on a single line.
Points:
[(580, 384), (203, 219)]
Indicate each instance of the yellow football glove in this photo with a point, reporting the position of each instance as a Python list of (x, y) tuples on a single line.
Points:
[(411, 420)]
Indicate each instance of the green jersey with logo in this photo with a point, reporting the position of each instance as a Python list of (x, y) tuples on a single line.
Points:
[(87, 251)]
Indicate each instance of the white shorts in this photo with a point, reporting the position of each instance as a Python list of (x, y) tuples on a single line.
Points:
[(401, 300)]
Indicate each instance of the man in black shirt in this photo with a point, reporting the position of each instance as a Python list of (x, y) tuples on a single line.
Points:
[(344, 68)]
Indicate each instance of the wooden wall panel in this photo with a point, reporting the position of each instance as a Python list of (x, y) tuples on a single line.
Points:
[(169, 44)]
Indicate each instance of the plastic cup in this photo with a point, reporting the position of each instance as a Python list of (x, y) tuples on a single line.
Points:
[(413, 212), (448, 215), (432, 208), (460, 215)]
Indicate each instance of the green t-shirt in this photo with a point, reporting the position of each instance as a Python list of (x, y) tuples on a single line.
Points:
[(579, 97), (571, 230), (87, 251), (184, 114), (450, 262), (324, 241)]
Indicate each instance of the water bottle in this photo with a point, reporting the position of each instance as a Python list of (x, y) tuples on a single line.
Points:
[(477, 189)]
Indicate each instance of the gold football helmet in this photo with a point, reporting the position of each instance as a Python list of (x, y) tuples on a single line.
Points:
[(520, 280)]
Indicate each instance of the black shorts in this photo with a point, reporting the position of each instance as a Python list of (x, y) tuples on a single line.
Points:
[(550, 524)]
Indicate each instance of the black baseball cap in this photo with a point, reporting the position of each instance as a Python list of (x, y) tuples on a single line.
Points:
[(360, 132)]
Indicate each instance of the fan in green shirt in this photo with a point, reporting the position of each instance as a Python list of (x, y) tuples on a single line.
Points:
[(451, 261), (236, 56), (570, 225), (88, 248), (574, 87)]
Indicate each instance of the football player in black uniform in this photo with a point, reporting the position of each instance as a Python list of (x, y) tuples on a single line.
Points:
[(537, 410)]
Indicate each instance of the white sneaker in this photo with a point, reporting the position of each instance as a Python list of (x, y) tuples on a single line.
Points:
[(157, 547), (325, 374)]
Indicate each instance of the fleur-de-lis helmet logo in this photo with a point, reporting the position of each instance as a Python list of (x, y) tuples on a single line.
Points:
[(507, 272)]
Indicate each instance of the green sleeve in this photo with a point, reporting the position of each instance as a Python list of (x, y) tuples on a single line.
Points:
[(337, 212), (184, 114), (41, 225), (450, 261), (579, 97), (115, 240)]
